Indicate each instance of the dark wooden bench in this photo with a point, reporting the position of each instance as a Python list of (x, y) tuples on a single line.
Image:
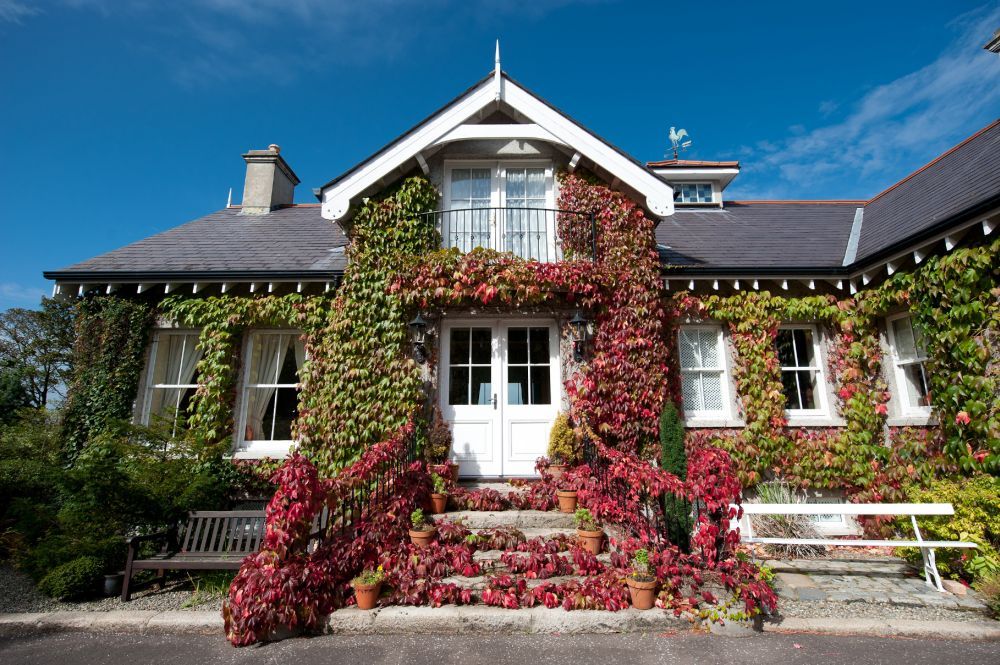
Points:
[(210, 540)]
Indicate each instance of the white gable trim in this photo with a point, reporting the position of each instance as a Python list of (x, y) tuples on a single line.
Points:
[(448, 125)]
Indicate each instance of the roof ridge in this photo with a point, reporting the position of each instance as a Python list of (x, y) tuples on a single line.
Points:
[(935, 160), (798, 201)]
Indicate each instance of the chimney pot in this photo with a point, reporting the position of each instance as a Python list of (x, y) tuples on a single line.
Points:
[(270, 181)]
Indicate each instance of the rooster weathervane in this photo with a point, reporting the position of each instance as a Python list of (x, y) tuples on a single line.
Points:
[(677, 142)]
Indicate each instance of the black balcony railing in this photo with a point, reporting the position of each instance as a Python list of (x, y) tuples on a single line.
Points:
[(542, 234)]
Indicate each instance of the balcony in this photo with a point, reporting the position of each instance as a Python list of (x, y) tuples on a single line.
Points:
[(542, 234)]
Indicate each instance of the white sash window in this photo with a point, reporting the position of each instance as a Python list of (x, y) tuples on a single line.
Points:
[(909, 356), (703, 371), (270, 392), (801, 370), (170, 379)]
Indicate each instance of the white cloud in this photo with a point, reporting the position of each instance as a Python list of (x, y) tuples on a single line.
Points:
[(14, 11), (891, 130)]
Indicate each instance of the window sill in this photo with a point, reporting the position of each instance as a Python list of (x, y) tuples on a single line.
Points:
[(814, 420), (913, 420), (260, 451), (711, 423)]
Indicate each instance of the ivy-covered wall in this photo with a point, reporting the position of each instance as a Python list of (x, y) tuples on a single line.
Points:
[(359, 383)]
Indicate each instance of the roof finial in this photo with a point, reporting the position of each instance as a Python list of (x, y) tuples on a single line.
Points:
[(497, 84)]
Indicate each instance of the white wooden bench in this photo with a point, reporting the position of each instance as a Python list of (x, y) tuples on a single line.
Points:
[(912, 510)]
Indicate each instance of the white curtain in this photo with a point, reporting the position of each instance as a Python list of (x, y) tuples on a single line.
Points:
[(178, 357), (265, 365)]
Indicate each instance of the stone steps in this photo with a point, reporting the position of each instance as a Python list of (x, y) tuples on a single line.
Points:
[(494, 555), (520, 519), (479, 583), (499, 486), (543, 532)]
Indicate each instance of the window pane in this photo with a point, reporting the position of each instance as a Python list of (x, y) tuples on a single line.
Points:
[(459, 354), (786, 353), (541, 392), (482, 385), (711, 385), (515, 184), (691, 391), (482, 346), (517, 346), (539, 347), (689, 350), (458, 385), (176, 357), (902, 332), (535, 188), (917, 391), (799, 388), (517, 385), (276, 423), (289, 373), (803, 347), (709, 342), (169, 405)]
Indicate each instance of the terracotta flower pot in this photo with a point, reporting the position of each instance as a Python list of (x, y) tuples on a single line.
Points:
[(557, 470), (367, 595), (567, 500), (643, 593), (453, 471), (592, 541), (439, 503), (422, 538)]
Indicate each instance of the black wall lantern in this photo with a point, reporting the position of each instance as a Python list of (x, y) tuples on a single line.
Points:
[(418, 336), (580, 330)]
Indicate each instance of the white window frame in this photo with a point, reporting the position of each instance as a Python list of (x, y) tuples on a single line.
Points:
[(898, 365), (145, 415), (821, 388), (678, 190), (702, 414), (255, 449), (498, 196)]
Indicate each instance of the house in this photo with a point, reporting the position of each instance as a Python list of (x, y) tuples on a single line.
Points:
[(498, 375)]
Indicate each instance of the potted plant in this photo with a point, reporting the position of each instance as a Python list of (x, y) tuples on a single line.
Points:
[(588, 531), (439, 497), (438, 446), (562, 446), (422, 532), (641, 584), (567, 500), (367, 587)]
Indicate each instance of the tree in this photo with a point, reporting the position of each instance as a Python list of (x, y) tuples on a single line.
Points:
[(37, 347), (13, 396), (674, 459)]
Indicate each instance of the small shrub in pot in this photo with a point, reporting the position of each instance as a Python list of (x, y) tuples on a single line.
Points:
[(563, 448), (439, 497), (641, 583), (368, 587), (589, 533), (422, 532)]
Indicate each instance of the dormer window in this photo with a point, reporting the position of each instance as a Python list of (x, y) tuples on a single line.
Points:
[(693, 192)]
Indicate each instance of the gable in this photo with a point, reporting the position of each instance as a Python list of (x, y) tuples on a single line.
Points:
[(496, 107)]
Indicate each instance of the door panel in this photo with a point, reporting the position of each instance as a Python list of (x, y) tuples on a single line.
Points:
[(499, 389)]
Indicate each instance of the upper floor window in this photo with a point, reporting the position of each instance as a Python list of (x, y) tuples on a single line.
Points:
[(908, 357), (503, 206), (703, 373), (801, 371), (693, 192), (270, 391), (171, 378)]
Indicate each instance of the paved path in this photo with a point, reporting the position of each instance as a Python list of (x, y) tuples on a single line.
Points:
[(677, 649), (887, 581)]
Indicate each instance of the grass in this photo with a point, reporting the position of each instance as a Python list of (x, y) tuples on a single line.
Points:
[(208, 587)]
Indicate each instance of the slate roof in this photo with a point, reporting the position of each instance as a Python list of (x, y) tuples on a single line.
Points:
[(754, 236), (289, 241), (966, 179)]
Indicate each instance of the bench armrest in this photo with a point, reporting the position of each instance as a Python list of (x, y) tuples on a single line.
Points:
[(149, 537)]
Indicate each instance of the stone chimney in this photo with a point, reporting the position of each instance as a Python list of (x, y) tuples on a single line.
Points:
[(270, 181)]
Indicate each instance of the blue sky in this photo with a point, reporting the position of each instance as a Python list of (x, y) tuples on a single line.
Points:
[(120, 118)]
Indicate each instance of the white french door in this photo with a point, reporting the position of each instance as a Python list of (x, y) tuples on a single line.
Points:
[(506, 206), (499, 390)]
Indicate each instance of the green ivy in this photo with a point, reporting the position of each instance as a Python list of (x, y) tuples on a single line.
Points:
[(111, 338)]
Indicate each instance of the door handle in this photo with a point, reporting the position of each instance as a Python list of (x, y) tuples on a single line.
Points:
[(494, 401)]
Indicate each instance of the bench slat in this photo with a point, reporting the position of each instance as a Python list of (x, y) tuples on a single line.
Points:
[(848, 509), (925, 544)]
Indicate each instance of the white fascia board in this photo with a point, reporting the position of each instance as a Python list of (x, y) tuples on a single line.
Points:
[(659, 195), (336, 199), (552, 126), (514, 132), (695, 174)]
